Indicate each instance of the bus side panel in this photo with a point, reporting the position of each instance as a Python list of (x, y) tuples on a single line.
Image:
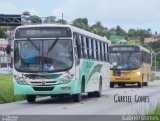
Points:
[(91, 71)]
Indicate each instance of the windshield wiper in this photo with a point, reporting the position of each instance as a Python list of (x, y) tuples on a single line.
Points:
[(53, 44), (33, 44), (130, 53)]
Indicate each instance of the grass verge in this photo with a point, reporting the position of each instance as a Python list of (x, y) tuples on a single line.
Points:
[(156, 111), (6, 89), (153, 77)]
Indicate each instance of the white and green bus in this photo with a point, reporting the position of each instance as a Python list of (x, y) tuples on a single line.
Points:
[(59, 60)]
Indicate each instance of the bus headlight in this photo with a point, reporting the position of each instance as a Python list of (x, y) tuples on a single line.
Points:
[(20, 80), (65, 80), (137, 73)]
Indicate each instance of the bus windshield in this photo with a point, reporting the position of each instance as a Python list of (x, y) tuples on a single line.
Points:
[(125, 60), (34, 55)]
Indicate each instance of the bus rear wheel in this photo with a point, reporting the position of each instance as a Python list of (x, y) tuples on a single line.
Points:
[(99, 92), (31, 98), (145, 83)]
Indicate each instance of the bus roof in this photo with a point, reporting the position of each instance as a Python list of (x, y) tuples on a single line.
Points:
[(73, 29), (144, 49)]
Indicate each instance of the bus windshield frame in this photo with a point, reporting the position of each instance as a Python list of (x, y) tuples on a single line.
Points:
[(125, 57), (43, 55), (125, 60)]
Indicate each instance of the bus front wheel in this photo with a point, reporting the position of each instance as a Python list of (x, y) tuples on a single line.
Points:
[(140, 84), (78, 97), (31, 98), (111, 85), (145, 83), (99, 92)]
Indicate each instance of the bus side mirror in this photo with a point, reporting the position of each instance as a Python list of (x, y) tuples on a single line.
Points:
[(78, 48)]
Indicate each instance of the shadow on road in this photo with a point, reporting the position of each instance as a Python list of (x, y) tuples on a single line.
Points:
[(128, 86), (60, 100)]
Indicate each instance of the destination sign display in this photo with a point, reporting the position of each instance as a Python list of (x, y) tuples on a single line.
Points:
[(124, 48), (43, 32)]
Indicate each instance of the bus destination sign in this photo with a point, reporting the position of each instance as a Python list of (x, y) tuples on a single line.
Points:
[(43, 32), (124, 48)]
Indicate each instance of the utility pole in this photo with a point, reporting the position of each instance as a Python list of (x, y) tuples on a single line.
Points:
[(62, 18), (155, 65)]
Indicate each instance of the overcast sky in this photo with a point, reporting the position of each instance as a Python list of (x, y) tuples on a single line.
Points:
[(126, 13)]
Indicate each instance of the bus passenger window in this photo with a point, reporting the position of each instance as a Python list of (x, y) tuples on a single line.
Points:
[(87, 47), (92, 48), (82, 46), (96, 49), (95, 52), (102, 51)]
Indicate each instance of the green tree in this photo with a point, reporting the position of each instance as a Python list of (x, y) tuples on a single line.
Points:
[(35, 19), (141, 38), (50, 19), (131, 33), (61, 21), (98, 28), (3, 34), (144, 33), (120, 31), (81, 23), (112, 31), (26, 14)]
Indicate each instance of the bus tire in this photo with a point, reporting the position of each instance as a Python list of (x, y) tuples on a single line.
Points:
[(111, 85), (99, 92), (31, 98), (140, 84), (90, 94), (78, 97), (123, 84), (83, 85), (145, 83)]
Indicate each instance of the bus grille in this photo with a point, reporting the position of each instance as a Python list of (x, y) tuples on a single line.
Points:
[(123, 78), (125, 72), (43, 88), (46, 83)]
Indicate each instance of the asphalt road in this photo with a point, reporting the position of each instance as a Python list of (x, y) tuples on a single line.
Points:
[(134, 101)]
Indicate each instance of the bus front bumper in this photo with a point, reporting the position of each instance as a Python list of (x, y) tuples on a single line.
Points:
[(68, 88), (134, 79)]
